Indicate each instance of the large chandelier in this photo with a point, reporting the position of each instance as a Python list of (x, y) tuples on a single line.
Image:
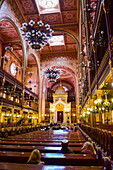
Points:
[(36, 35), (52, 74)]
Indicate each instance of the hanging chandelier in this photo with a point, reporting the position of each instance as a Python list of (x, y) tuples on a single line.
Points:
[(52, 74), (36, 35)]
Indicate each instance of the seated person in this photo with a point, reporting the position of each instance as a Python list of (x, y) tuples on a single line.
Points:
[(35, 158), (51, 124), (65, 148), (71, 128), (76, 128), (88, 147)]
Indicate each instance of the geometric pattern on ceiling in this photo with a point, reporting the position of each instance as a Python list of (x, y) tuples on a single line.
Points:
[(69, 39), (68, 4), (51, 18), (58, 48), (59, 56), (69, 45), (68, 12), (5, 24), (28, 6), (9, 35), (7, 31), (69, 16), (33, 17)]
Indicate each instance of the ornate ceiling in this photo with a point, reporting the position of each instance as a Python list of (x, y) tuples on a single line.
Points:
[(61, 22)]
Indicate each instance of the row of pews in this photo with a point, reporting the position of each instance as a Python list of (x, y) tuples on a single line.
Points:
[(12, 131), (103, 138), (15, 151)]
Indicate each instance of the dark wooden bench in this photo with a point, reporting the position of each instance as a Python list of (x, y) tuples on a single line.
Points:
[(104, 139), (40, 140), (11, 131), (16, 166), (43, 149), (38, 143), (52, 158)]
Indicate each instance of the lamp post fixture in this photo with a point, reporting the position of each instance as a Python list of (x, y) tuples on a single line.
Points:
[(5, 59), (30, 81)]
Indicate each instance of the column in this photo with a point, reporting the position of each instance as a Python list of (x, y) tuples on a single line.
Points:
[(1, 117), (11, 120), (70, 117), (91, 114), (40, 100), (99, 93), (106, 11)]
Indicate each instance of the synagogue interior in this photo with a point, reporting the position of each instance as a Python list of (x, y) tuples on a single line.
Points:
[(56, 83)]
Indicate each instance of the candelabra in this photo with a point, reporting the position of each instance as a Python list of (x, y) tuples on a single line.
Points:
[(52, 74), (36, 35)]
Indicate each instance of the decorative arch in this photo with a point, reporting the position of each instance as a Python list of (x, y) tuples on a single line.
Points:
[(73, 74), (66, 83), (72, 34)]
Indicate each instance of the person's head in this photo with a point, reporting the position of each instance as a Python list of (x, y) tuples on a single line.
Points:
[(34, 157), (64, 144), (89, 139)]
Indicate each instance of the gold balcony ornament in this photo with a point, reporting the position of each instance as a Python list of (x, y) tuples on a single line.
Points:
[(106, 102)]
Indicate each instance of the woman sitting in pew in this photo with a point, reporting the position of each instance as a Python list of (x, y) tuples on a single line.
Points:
[(35, 158), (88, 147)]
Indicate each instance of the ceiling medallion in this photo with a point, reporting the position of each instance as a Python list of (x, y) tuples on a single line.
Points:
[(48, 3), (52, 74), (36, 35), (48, 6)]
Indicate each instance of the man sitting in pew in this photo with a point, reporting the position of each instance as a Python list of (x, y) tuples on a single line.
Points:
[(65, 148), (35, 158), (88, 147)]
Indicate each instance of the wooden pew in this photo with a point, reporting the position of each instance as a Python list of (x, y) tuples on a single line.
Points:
[(38, 143), (49, 158), (52, 158), (43, 149), (11, 131), (16, 166), (110, 145), (104, 139), (40, 140)]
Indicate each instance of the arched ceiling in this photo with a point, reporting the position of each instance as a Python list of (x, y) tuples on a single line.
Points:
[(67, 18), (63, 83), (10, 37)]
